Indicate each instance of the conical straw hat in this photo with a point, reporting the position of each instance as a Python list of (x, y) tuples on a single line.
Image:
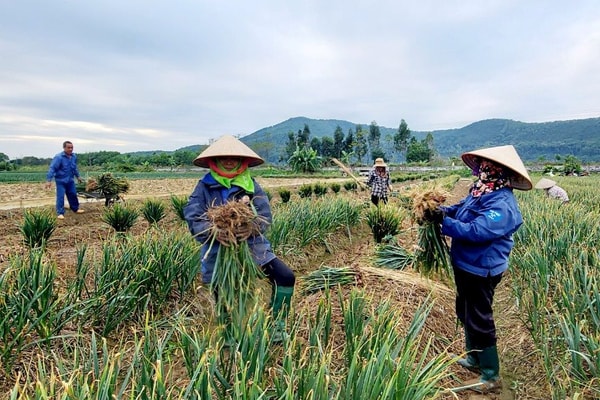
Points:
[(503, 155), (545, 183), (380, 163), (228, 146)]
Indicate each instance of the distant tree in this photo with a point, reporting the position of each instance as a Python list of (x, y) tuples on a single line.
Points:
[(377, 153), (374, 135), (360, 146), (348, 145), (305, 160), (290, 145), (338, 141), (345, 158), (571, 165), (401, 138), (6, 166), (428, 141), (418, 151), (4, 157), (185, 157), (315, 143), (33, 161), (303, 139), (328, 149)]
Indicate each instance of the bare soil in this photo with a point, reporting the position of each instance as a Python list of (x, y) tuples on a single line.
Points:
[(405, 289)]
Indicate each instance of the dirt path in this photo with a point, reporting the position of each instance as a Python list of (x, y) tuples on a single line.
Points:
[(24, 195)]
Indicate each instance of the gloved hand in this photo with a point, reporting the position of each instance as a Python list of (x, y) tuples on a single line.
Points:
[(435, 216)]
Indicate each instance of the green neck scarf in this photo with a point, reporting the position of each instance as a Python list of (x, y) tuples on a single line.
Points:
[(240, 177)]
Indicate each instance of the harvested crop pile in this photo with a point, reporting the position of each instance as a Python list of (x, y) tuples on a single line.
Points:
[(432, 252)]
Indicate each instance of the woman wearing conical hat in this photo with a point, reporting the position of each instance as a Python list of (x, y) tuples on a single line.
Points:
[(229, 180), (481, 227), (552, 190)]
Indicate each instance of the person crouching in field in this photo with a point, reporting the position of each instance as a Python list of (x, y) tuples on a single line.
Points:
[(229, 180), (552, 190)]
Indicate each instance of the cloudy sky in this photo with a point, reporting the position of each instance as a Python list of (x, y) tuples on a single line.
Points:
[(128, 75)]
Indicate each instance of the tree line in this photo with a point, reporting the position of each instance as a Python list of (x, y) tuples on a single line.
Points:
[(354, 147)]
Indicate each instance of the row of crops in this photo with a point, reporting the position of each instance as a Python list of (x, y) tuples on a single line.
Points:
[(556, 263), (134, 323)]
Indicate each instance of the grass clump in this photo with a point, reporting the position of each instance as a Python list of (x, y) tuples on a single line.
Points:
[(384, 222), (319, 189), (153, 211), (305, 191), (178, 203), (37, 227), (285, 195), (120, 217)]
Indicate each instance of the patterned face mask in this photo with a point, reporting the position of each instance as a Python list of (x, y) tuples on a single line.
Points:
[(491, 176)]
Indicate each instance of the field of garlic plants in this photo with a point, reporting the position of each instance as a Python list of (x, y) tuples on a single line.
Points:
[(94, 313)]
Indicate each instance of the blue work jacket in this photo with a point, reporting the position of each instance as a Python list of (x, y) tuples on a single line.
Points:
[(62, 168), (209, 192), (481, 229)]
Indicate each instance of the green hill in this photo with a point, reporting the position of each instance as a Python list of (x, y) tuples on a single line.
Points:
[(533, 141)]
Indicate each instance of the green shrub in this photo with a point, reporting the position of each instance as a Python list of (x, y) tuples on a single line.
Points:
[(37, 227), (153, 211), (178, 203), (305, 191), (319, 189), (384, 222), (285, 195), (335, 187), (120, 217), (350, 186)]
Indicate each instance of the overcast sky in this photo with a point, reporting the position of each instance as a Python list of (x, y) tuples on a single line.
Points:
[(132, 75)]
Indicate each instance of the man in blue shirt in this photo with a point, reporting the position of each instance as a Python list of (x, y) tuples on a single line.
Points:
[(63, 169)]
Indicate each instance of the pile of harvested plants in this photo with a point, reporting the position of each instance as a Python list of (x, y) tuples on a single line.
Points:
[(432, 255), (235, 275), (392, 255), (327, 277), (110, 187)]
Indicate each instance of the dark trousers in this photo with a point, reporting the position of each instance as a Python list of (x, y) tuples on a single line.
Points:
[(375, 199), (474, 299), (279, 273)]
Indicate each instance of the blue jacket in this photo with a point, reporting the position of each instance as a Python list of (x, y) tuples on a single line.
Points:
[(62, 168), (209, 192), (481, 229)]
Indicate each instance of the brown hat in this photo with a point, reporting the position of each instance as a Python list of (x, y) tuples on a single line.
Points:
[(506, 156), (228, 146), (545, 183), (379, 163)]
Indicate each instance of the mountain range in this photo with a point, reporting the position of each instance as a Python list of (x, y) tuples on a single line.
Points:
[(533, 141)]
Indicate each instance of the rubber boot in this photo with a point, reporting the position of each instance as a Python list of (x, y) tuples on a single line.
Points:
[(471, 361), (281, 301), (489, 381)]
